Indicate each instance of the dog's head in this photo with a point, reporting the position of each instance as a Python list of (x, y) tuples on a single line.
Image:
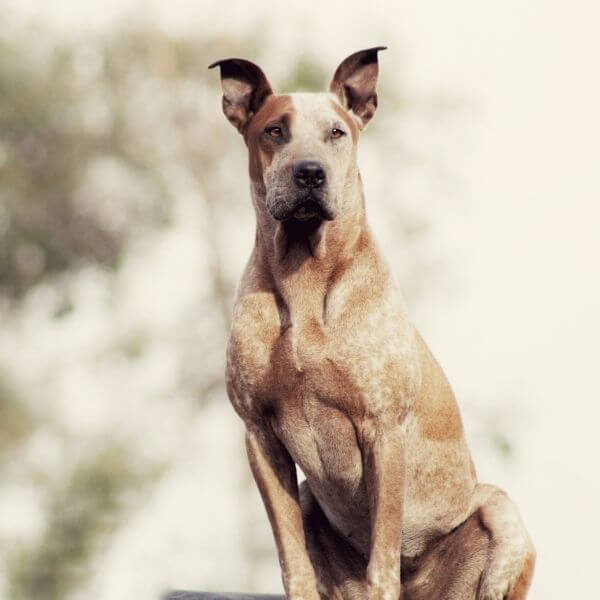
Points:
[(302, 147)]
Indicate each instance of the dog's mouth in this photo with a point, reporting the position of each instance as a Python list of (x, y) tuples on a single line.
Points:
[(305, 212), (299, 208), (311, 208)]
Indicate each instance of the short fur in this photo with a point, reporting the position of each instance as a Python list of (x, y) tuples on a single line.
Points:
[(328, 374)]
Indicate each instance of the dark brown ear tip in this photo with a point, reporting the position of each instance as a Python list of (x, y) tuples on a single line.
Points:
[(361, 57), (240, 68), (369, 50), (372, 51), (223, 61)]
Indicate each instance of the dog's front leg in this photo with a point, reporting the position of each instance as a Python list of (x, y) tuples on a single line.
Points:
[(275, 475), (383, 464)]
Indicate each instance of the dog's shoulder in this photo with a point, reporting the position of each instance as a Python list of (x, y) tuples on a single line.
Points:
[(255, 327)]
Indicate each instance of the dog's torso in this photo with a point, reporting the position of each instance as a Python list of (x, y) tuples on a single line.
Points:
[(313, 363)]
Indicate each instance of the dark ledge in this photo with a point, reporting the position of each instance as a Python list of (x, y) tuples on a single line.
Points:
[(181, 595)]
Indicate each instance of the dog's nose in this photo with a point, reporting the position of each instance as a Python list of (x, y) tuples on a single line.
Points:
[(309, 173)]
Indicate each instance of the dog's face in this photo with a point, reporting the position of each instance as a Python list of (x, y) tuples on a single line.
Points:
[(302, 147)]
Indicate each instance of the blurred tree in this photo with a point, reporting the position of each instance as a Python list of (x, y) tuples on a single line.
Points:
[(59, 129), (306, 75), (94, 137), (16, 420), (88, 505)]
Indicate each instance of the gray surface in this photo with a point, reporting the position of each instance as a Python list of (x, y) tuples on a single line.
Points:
[(181, 595)]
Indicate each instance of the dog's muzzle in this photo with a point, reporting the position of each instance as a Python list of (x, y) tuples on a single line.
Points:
[(308, 198)]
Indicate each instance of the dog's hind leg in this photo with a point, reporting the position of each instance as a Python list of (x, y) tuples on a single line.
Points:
[(451, 568), (341, 571), (487, 557), (509, 569)]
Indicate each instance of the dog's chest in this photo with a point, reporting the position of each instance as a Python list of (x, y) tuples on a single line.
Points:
[(309, 379), (314, 391), (340, 365)]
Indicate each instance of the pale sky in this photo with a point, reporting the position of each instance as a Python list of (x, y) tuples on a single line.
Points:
[(524, 243)]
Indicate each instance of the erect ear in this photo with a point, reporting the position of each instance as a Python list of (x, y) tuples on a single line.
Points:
[(355, 82), (245, 88)]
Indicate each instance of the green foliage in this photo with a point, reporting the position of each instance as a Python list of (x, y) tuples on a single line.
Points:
[(16, 421), (306, 75), (502, 444), (86, 131), (61, 123), (45, 153), (89, 506)]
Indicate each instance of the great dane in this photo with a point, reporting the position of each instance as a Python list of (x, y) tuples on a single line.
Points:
[(327, 373)]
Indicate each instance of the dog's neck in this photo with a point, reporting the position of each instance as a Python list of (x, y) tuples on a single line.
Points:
[(305, 259)]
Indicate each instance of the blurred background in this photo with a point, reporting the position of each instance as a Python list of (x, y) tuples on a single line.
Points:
[(125, 222)]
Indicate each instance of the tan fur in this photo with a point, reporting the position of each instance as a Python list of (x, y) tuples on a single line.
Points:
[(328, 374)]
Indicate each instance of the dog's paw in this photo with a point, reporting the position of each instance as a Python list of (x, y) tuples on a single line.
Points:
[(497, 593)]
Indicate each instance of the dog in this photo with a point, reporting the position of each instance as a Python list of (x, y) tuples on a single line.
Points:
[(328, 374)]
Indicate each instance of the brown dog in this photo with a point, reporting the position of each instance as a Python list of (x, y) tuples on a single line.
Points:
[(328, 374)]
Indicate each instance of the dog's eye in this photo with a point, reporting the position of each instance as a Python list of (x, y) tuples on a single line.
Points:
[(274, 131), (336, 132)]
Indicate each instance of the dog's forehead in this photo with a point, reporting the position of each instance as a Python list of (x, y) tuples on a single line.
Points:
[(318, 110), (313, 107)]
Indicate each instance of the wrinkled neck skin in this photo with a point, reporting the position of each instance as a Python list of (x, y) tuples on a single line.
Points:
[(306, 259)]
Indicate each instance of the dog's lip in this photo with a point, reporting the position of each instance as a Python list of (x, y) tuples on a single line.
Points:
[(305, 212), (307, 207), (311, 208)]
